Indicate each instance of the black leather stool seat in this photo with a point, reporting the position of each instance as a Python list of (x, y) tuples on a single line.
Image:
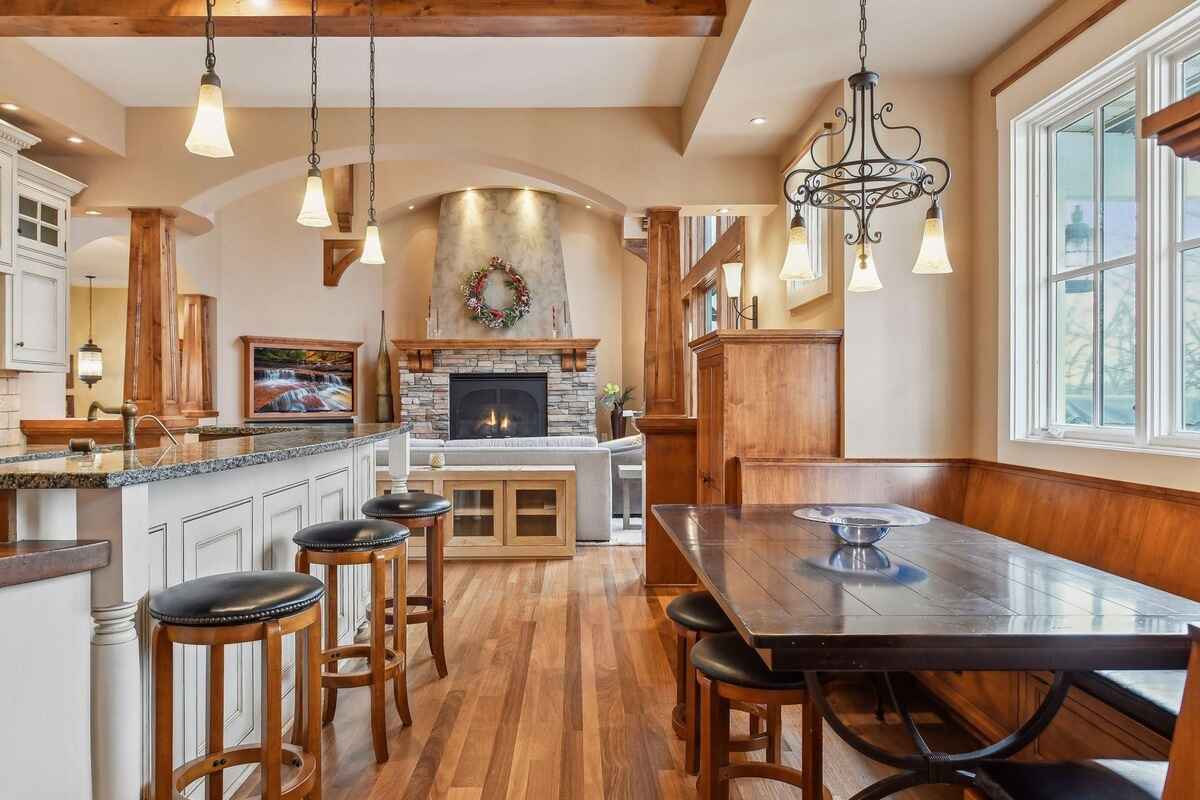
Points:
[(351, 534), (1094, 780), (406, 505), (728, 659), (698, 611), (235, 598)]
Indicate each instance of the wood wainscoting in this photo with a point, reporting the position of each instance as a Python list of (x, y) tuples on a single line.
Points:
[(1145, 533), (669, 477)]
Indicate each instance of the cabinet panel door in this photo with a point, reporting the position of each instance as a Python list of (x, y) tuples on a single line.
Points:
[(477, 517), (710, 451), (335, 501), (6, 211), (40, 308), (41, 220), (535, 511), (284, 513)]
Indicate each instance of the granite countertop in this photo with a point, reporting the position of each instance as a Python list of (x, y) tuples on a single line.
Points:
[(52, 467)]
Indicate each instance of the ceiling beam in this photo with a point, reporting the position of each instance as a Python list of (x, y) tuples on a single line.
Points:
[(349, 18)]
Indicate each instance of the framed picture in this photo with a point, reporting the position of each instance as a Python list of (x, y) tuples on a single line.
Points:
[(299, 379)]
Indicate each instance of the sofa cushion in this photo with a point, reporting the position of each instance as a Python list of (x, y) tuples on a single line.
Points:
[(540, 442), (1150, 697)]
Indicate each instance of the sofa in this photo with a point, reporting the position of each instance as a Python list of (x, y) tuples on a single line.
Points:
[(593, 470), (626, 450)]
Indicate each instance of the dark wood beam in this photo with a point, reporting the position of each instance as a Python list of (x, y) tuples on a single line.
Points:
[(663, 385), (349, 18)]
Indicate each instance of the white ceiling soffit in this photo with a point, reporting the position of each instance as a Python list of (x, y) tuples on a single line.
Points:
[(411, 72), (786, 55)]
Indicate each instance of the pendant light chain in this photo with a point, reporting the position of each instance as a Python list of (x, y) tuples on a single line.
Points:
[(210, 34), (313, 158), (91, 290), (371, 147), (862, 34)]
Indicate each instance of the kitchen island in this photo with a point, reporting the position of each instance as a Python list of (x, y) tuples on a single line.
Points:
[(230, 502)]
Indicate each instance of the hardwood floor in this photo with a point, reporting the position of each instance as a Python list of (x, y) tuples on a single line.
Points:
[(560, 686)]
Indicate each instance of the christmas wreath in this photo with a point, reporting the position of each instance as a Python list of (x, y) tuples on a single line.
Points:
[(480, 311)]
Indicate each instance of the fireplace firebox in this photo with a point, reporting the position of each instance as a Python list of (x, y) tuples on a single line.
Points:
[(497, 406)]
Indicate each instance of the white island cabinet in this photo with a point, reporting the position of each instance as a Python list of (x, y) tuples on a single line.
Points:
[(173, 514)]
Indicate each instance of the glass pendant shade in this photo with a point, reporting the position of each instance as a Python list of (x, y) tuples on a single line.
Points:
[(90, 363), (372, 248), (733, 278), (932, 260), (797, 264), (864, 278), (314, 213), (209, 137)]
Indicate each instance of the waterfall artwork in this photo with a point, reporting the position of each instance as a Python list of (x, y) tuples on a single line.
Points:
[(300, 382)]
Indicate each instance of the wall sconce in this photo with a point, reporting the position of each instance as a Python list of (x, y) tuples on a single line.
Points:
[(733, 287)]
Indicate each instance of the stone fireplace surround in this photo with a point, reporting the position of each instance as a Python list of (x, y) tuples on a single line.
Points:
[(568, 364)]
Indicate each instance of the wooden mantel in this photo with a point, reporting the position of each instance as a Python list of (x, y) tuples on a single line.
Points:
[(417, 354)]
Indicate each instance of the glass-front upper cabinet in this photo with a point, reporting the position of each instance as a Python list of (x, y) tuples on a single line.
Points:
[(7, 164), (41, 220)]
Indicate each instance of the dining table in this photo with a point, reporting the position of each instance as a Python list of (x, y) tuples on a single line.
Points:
[(933, 596)]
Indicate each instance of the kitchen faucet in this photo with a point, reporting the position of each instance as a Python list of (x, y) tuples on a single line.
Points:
[(129, 421)]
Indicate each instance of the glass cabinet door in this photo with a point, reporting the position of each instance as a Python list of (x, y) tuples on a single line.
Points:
[(535, 512), (478, 513), (41, 221)]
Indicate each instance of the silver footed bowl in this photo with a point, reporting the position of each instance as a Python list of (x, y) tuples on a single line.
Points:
[(861, 524)]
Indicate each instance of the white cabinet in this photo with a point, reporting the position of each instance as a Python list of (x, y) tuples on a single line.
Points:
[(36, 312), (41, 221), (7, 173)]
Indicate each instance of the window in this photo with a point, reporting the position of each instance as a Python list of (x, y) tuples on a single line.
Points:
[(711, 309), (816, 222), (1105, 235)]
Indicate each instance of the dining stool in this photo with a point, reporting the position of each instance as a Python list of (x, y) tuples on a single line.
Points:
[(730, 671), (426, 512), (378, 544), (235, 608), (695, 615)]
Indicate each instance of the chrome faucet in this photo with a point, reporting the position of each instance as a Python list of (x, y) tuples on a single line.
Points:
[(128, 412), (171, 436)]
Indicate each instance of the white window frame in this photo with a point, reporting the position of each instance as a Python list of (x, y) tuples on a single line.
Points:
[(817, 223), (1152, 65)]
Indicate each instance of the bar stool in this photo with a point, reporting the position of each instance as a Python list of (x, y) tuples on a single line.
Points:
[(378, 544), (230, 609), (731, 672), (428, 512)]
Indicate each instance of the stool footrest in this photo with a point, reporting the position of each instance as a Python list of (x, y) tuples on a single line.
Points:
[(392, 661), (299, 786)]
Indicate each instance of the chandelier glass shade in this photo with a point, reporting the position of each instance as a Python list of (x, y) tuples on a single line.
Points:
[(209, 136), (797, 264)]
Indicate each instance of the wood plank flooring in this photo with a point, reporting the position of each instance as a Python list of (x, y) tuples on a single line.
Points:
[(560, 686)]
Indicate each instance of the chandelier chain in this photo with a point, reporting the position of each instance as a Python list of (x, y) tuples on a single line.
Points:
[(862, 34), (313, 158), (210, 34), (91, 290), (371, 147)]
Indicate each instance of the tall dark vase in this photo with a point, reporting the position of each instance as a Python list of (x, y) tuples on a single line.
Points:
[(617, 416)]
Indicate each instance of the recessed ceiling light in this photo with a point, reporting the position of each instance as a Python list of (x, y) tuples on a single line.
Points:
[(722, 210), (74, 140), (470, 189), (586, 205), (10, 106), (758, 120), (91, 212), (410, 208)]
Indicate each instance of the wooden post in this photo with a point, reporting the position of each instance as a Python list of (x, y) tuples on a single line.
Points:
[(669, 477), (343, 197), (663, 382), (197, 319), (152, 320)]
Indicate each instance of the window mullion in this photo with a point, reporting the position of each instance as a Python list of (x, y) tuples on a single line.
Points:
[(1098, 254)]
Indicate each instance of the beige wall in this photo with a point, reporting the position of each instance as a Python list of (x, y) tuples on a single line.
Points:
[(108, 331), (633, 327)]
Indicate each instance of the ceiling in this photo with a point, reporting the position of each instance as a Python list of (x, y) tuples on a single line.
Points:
[(410, 72)]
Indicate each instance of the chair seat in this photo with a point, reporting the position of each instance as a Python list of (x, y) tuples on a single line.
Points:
[(1094, 780), (351, 534), (235, 598), (406, 505), (728, 659), (1150, 697), (698, 611)]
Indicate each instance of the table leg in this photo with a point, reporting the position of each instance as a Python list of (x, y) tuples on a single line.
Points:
[(625, 521)]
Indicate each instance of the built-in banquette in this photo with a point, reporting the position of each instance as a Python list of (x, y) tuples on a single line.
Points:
[(1144, 533)]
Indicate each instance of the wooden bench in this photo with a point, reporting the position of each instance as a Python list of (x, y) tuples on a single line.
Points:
[(1145, 533)]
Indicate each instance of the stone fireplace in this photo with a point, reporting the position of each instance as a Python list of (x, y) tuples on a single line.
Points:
[(434, 372)]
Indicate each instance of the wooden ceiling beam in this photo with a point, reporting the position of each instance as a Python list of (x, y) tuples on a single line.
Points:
[(349, 18)]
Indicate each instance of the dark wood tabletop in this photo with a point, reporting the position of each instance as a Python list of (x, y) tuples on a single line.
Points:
[(939, 596)]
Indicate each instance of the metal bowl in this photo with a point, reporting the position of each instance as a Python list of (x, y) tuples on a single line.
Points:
[(861, 525)]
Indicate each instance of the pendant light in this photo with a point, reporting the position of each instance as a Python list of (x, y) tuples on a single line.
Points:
[(932, 260), (313, 212), (90, 361), (864, 278), (372, 247), (797, 264), (208, 136)]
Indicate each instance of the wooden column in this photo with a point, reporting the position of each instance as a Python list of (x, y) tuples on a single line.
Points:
[(663, 380), (197, 323), (669, 477), (152, 321)]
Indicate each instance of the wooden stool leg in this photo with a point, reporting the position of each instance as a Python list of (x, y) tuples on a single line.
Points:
[(164, 723), (714, 741), (300, 716), (376, 658), (331, 636), (272, 714), (681, 658), (691, 712), (216, 716), (774, 752), (400, 634), (434, 555), (312, 690), (812, 728)]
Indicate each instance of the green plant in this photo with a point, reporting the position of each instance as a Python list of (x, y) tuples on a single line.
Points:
[(613, 396)]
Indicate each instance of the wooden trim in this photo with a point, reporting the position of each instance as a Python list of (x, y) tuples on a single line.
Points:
[(732, 242), (335, 265), (349, 18), (1177, 126), (197, 355), (565, 345), (1059, 43), (27, 561), (249, 343), (725, 336), (343, 197), (658, 424)]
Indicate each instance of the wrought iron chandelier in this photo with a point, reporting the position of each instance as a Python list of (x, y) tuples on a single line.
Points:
[(867, 177)]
